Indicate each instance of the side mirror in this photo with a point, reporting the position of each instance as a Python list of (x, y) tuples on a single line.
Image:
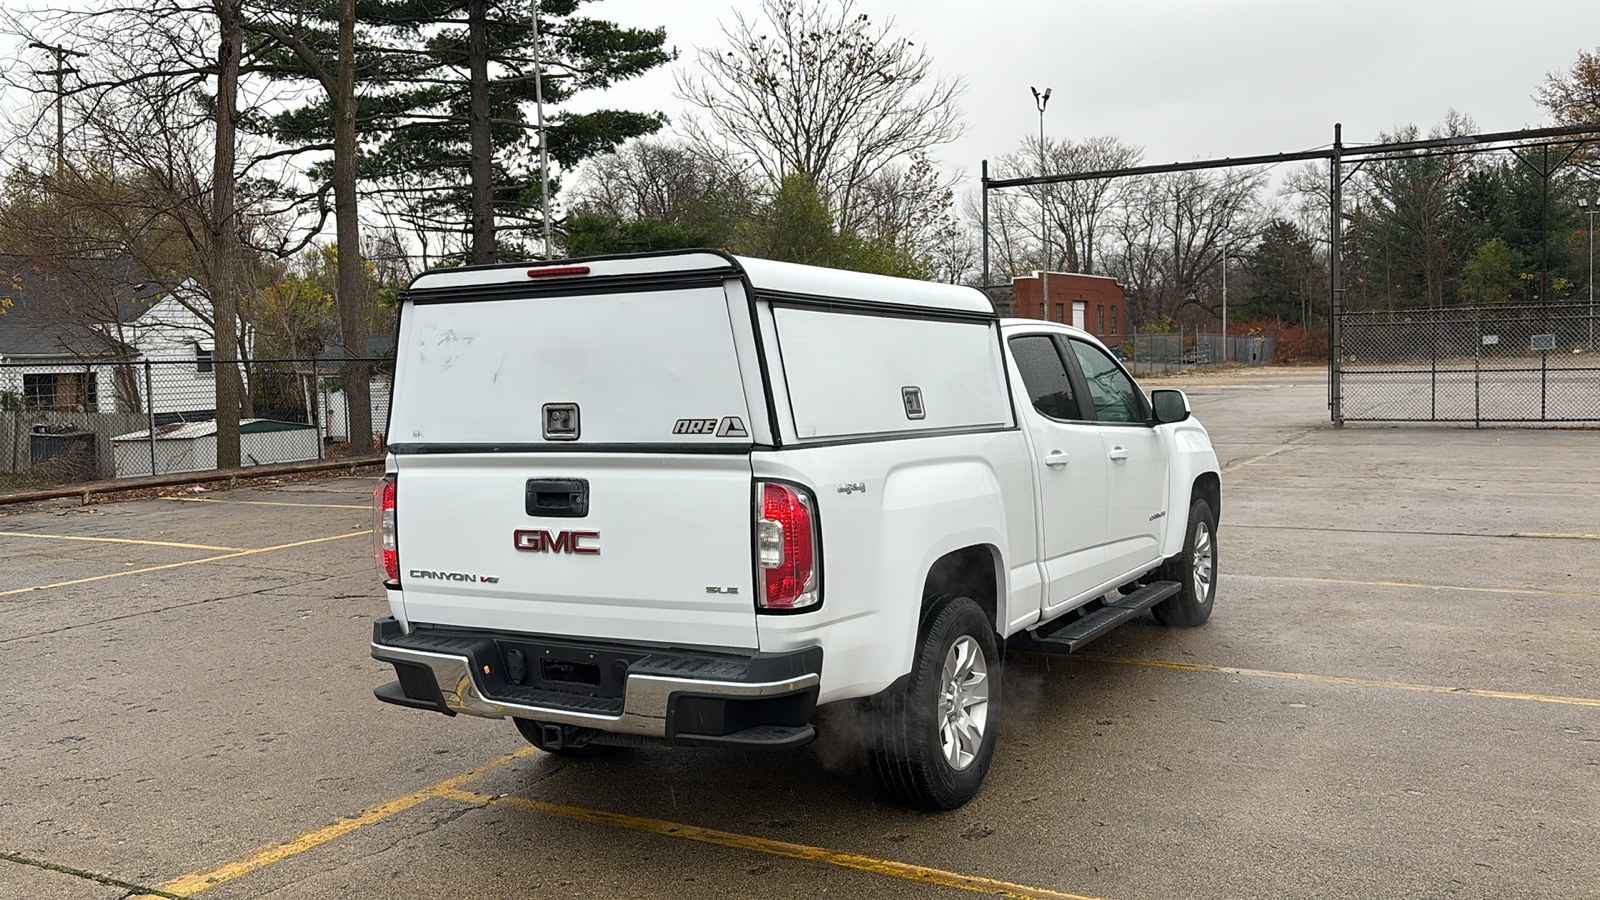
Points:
[(1169, 406)]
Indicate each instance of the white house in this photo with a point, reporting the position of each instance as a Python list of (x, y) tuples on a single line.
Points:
[(95, 346)]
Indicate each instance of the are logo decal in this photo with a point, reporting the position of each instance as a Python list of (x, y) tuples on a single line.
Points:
[(727, 426)]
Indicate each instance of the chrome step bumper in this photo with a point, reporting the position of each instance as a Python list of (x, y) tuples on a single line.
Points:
[(462, 672)]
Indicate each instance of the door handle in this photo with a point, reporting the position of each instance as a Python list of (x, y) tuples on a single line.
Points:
[(1055, 459), (1118, 454)]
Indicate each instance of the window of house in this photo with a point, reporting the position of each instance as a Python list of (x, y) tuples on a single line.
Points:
[(1114, 321), (60, 390), (1100, 318), (202, 359), (1044, 311)]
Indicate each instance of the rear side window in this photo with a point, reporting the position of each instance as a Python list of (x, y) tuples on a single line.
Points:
[(1045, 375), (854, 375), (648, 367), (1110, 389)]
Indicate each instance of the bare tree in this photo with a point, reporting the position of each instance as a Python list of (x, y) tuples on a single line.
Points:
[(1075, 212), (815, 89), (1174, 235), (673, 182)]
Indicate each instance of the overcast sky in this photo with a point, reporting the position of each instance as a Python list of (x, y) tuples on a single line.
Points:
[(1190, 79)]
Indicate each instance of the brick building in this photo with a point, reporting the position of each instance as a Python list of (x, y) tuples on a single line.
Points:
[(1090, 302)]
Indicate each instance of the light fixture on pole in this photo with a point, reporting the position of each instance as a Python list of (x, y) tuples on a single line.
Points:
[(1591, 207), (1040, 101)]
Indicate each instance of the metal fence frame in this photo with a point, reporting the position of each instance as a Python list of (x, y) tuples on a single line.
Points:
[(1390, 359)]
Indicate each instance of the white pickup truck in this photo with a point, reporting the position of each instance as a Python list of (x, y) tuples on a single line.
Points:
[(686, 498)]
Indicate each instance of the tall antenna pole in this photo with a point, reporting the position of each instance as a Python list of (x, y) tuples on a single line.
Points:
[(544, 141)]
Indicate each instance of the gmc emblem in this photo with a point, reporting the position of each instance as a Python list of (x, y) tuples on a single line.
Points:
[(541, 541)]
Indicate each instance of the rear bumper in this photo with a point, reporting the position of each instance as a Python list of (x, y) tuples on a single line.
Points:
[(684, 696)]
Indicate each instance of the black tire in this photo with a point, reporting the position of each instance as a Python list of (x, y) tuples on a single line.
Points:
[(534, 733), (912, 724), (1196, 569)]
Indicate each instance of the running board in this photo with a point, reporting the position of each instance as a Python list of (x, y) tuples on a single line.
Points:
[(1076, 634)]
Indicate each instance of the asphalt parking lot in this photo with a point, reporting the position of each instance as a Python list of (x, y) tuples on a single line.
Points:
[(1398, 695)]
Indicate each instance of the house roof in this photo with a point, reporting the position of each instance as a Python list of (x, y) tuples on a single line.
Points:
[(56, 304)]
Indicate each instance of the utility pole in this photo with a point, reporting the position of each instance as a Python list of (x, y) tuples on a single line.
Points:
[(544, 139), (1041, 101), (60, 72)]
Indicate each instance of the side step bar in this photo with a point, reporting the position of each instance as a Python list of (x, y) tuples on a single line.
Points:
[(1075, 635)]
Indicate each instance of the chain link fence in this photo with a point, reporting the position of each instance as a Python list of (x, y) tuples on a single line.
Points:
[(1159, 353), (95, 420), (1495, 364)]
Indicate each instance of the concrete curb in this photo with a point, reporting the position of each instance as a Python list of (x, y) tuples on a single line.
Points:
[(87, 489)]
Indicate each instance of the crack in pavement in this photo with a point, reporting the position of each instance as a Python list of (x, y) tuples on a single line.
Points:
[(1287, 445), (148, 612), (134, 890)]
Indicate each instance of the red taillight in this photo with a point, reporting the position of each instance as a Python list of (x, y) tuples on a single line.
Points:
[(786, 538), (557, 271), (386, 545)]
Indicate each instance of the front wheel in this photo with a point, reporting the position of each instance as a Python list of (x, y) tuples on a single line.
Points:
[(1196, 569), (934, 737)]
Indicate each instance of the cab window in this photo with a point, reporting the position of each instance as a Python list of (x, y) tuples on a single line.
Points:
[(1111, 391), (1045, 375)]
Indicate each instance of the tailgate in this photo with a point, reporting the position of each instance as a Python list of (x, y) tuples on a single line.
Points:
[(639, 399), (667, 530)]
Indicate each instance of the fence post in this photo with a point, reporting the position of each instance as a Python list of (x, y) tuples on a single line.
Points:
[(316, 401), (1433, 372), (150, 413), (1544, 376), (1477, 377)]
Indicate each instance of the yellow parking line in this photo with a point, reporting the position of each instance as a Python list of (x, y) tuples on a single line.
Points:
[(366, 506), (451, 789), (199, 881), (891, 868), (106, 540), (1412, 584), (1339, 679), (192, 562)]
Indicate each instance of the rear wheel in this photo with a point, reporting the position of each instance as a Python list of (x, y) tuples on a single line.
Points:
[(1196, 569), (933, 738)]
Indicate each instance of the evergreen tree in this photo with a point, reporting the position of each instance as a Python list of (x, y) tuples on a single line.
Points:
[(463, 159)]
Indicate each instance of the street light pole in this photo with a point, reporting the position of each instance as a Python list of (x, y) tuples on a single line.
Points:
[(1040, 101)]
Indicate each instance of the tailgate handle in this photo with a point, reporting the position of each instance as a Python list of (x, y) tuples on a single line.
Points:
[(558, 497)]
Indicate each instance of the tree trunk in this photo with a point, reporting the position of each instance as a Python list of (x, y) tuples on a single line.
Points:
[(481, 169), (225, 235), (352, 297)]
